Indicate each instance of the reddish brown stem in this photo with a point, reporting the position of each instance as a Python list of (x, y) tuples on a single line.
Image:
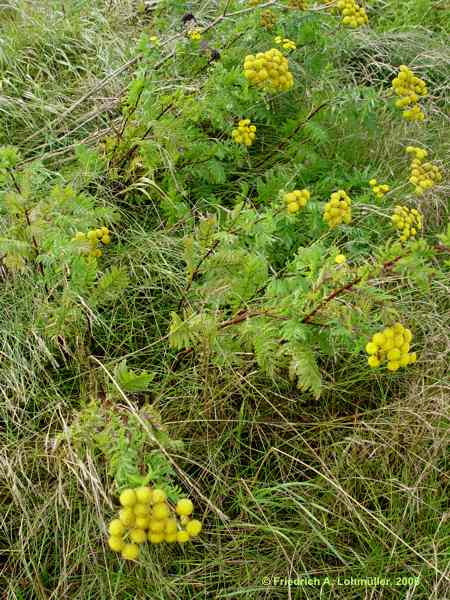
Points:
[(345, 288)]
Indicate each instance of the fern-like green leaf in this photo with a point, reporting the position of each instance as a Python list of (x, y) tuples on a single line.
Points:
[(110, 286), (303, 366)]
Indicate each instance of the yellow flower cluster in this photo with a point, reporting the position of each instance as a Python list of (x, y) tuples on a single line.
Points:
[(424, 175), (195, 35), (299, 4), (407, 221), (286, 43), (392, 346), (296, 200), (93, 237), (269, 70), (146, 515), (379, 189), (245, 133), (338, 209), (268, 19), (340, 259), (409, 88), (353, 14)]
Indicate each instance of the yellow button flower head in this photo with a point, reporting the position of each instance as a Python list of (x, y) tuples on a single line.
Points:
[(91, 240), (184, 507), (269, 71), (147, 516), (161, 511), (407, 221), (144, 494), (193, 528), (391, 346), (379, 189), (409, 90), (268, 19), (299, 4), (127, 516), (286, 43), (424, 175), (353, 15), (138, 536), (195, 35), (182, 537), (340, 259), (296, 200), (159, 496), (130, 552), (128, 498), (116, 543), (116, 527), (338, 209), (245, 133)]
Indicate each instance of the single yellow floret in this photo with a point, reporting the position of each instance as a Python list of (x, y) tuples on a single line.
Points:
[(128, 498), (156, 526), (142, 522), (159, 496), (156, 538), (371, 348), (394, 354), (130, 552), (171, 526), (116, 527), (193, 527), (127, 517), (116, 543), (373, 361), (144, 494), (182, 537), (138, 536), (160, 511), (141, 510), (378, 339), (393, 365), (184, 507), (340, 259)]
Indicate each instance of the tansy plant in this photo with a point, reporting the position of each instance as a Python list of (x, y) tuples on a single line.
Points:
[(353, 15), (424, 175), (269, 70), (245, 133), (277, 269), (41, 234), (146, 515), (409, 88)]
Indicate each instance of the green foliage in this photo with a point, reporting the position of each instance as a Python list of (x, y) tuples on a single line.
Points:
[(130, 381), (215, 311), (129, 441)]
